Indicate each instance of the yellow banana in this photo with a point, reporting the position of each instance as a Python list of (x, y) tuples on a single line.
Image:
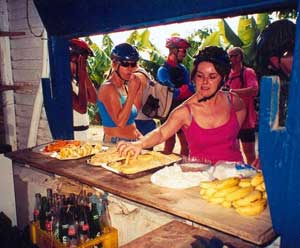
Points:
[(216, 200), (238, 194), (253, 208), (261, 187), (226, 204), (234, 204), (208, 184), (226, 191), (227, 183), (202, 191), (209, 192), (245, 182), (251, 197), (257, 179), (205, 197)]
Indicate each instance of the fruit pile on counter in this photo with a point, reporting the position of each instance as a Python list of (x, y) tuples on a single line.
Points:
[(71, 149), (246, 195)]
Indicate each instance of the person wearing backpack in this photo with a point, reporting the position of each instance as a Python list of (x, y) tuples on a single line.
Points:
[(175, 75), (144, 124), (242, 80)]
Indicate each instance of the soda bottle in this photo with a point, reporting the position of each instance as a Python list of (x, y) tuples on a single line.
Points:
[(94, 221), (43, 212), (84, 227), (37, 207)]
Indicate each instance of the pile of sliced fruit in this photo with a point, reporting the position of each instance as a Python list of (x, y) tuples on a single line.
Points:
[(246, 195)]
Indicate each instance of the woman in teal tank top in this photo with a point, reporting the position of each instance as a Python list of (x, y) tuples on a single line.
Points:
[(117, 97)]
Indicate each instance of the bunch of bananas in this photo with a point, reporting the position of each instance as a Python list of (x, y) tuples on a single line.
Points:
[(247, 195), (74, 152)]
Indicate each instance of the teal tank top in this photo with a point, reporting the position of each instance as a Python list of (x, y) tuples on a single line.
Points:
[(106, 119)]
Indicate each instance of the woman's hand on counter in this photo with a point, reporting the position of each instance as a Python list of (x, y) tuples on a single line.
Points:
[(125, 147)]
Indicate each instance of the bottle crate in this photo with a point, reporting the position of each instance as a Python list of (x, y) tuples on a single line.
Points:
[(43, 239)]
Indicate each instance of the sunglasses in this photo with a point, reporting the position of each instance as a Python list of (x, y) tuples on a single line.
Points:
[(127, 64)]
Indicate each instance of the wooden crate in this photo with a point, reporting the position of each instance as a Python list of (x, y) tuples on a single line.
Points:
[(43, 239)]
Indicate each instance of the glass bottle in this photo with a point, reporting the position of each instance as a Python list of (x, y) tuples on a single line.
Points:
[(37, 207)]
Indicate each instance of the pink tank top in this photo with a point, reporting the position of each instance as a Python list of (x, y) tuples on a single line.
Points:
[(216, 144)]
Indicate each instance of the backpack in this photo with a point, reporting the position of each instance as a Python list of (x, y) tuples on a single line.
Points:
[(157, 98), (242, 80), (240, 76)]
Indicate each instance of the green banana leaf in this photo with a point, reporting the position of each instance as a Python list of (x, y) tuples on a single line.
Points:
[(231, 36), (247, 30), (262, 20), (133, 38), (212, 40), (222, 32), (145, 39), (98, 65), (107, 44)]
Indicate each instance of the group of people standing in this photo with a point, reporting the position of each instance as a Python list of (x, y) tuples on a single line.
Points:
[(212, 107)]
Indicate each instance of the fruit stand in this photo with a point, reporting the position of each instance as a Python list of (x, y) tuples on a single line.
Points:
[(184, 204), (279, 146)]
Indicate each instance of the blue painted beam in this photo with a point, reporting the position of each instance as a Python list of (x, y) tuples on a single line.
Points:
[(76, 18)]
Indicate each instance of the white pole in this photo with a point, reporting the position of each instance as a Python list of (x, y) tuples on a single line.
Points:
[(38, 103)]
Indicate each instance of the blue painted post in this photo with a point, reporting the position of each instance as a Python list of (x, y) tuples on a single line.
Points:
[(291, 220), (271, 148), (57, 90), (279, 149)]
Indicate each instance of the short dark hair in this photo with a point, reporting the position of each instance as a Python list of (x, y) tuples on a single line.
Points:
[(215, 55), (275, 40)]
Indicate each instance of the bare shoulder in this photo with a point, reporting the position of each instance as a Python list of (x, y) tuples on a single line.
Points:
[(106, 89), (142, 77), (182, 111)]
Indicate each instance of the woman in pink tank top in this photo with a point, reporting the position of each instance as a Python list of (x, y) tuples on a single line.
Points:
[(211, 118)]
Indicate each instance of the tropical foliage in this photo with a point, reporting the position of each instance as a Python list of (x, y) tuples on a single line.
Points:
[(249, 27)]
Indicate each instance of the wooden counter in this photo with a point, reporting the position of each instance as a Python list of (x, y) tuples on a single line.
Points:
[(185, 236), (186, 203)]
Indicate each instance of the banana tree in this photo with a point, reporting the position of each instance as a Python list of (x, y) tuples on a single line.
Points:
[(247, 33), (100, 63), (151, 59), (98, 67)]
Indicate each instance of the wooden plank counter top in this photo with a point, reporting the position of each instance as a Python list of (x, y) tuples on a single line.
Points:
[(185, 203), (185, 236)]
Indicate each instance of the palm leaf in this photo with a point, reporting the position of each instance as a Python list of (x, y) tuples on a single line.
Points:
[(212, 40), (246, 30), (262, 20), (222, 32), (231, 35)]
